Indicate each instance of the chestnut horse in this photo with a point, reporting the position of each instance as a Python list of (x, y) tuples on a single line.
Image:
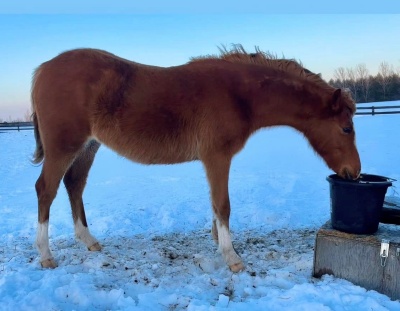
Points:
[(204, 110)]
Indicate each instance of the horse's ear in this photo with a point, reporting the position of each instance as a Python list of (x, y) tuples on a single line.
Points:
[(335, 104)]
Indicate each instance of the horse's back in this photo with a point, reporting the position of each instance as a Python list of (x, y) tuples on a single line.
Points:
[(91, 94), (146, 113)]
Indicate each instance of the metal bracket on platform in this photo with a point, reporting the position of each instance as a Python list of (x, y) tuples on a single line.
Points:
[(384, 251)]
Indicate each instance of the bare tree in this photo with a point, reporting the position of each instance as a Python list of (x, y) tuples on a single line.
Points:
[(353, 82), (385, 76), (28, 115), (340, 75), (362, 75)]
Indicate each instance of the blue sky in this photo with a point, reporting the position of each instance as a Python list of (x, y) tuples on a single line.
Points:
[(322, 42)]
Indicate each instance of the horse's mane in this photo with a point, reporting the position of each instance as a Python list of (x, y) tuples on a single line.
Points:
[(238, 54)]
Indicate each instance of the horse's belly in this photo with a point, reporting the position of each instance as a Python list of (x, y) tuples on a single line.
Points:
[(161, 155), (151, 151)]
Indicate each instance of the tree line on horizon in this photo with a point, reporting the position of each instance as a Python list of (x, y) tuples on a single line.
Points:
[(364, 87), (26, 118)]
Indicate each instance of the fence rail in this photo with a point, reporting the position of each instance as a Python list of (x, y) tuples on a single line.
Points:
[(16, 126), (372, 110)]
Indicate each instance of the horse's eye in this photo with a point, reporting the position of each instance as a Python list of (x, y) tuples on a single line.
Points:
[(348, 130)]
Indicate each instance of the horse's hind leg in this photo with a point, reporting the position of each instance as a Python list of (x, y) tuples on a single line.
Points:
[(75, 181), (46, 189), (217, 168)]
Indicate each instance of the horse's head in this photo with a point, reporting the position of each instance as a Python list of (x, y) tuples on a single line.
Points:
[(331, 133)]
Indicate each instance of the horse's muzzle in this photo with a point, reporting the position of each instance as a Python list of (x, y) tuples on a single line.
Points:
[(347, 173)]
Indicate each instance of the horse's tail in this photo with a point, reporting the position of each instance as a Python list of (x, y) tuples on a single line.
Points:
[(38, 155)]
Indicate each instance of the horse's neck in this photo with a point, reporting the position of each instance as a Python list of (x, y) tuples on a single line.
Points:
[(283, 104)]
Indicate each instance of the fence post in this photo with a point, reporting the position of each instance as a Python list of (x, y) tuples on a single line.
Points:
[(373, 110)]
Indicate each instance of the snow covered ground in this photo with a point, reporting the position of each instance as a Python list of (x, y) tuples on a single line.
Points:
[(154, 224)]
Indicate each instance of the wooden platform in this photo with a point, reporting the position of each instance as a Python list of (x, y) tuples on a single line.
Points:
[(357, 258)]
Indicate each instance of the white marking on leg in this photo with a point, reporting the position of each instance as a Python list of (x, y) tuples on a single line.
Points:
[(83, 234), (225, 245), (42, 241)]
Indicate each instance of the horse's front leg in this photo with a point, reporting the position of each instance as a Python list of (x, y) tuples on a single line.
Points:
[(217, 169)]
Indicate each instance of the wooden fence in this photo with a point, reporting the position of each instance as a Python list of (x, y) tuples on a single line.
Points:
[(16, 126), (369, 110), (373, 110)]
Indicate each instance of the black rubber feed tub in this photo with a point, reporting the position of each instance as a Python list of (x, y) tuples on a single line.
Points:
[(356, 205)]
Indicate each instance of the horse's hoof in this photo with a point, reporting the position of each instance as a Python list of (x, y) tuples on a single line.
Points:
[(49, 263), (95, 247), (237, 267)]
